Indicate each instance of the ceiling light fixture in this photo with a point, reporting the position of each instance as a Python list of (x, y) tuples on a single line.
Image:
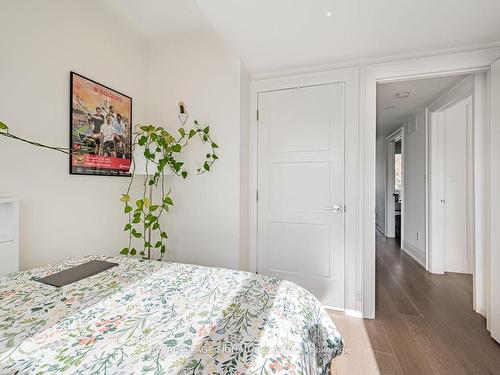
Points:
[(329, 14), (402, 95)]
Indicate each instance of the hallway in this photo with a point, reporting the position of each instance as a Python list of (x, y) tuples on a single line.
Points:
[(424, 324)]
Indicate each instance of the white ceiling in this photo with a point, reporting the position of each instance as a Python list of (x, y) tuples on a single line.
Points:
[(280, 34), (392, 111), (153, 18)]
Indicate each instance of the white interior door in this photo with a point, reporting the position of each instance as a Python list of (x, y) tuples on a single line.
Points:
[(301, 188), (457, 122), (494, 263)]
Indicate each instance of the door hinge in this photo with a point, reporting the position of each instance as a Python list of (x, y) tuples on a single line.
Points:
[(257, 195), (257, 115)]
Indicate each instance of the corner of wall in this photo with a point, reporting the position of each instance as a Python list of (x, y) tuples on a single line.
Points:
[(244, 251)]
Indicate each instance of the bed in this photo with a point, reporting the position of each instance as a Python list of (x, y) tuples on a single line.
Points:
[(149, 317)]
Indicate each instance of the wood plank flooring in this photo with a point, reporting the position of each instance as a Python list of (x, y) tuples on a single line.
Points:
[(424, 324)]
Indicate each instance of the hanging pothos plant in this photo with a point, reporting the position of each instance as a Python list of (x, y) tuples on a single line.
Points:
[(161, 149)]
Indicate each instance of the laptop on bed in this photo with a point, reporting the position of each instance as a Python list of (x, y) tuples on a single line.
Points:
[(77, 273)]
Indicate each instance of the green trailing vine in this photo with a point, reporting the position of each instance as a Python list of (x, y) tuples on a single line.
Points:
[(161, 149), (4, 131)]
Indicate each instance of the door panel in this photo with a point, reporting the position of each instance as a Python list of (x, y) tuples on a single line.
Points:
[(300, 180), (456, 123), (294, 108), (289, 241), (299, 186)]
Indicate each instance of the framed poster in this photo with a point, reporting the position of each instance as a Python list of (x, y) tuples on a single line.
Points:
[(101, 129)]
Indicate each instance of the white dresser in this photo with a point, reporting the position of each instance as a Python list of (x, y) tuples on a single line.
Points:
[(9, 235)]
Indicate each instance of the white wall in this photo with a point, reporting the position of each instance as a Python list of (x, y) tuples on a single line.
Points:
[(414, 187), (381, 166), (61, 215), (414, 184), (197, 68), (244, 168)]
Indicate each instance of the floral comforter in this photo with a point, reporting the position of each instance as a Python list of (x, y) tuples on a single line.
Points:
[(148, 317)]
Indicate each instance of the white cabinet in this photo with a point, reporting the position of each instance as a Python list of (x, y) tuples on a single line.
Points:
[(9, 236)]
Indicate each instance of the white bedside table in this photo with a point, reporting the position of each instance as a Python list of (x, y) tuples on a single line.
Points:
[(9, 235)]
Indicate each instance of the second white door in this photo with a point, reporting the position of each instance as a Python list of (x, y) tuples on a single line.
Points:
[(301, 188), (457, 128)]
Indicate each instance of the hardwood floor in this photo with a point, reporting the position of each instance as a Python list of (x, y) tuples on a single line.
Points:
[(424, 324)]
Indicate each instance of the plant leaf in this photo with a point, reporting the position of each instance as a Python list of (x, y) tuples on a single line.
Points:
[(124, 251), (176, 148), (125, 198)]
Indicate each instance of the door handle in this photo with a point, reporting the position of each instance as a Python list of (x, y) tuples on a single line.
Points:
[(337, 208)]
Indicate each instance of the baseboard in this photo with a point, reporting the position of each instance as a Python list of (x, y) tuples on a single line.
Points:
[(456, 266), (348, 312), (482, 312), (380, 228), (415, 253)]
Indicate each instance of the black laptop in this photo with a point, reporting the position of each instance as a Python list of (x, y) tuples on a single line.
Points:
[(77, 273)]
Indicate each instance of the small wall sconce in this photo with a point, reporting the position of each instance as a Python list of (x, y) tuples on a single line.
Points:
[(183, 116)]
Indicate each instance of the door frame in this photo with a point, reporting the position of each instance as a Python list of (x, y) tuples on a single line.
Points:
[(435, 185), (350, 76), (399, 134), (473, 61)]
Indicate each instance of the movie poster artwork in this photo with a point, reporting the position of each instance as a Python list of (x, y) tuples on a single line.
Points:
[(101, 128)]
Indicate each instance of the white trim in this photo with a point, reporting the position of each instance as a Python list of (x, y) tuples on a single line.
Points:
[(402, 197), (390, 220), (494, 202), (390, 224), (380, 228), (353, 271), (354, 313), (414, 253), (481, 47), (435, 251), (452, 95), (481, 191), (432, 66), (434, 187)]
